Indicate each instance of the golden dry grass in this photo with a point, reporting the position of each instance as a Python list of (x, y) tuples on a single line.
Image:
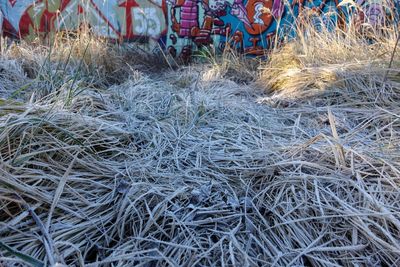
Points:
[(325, 64)]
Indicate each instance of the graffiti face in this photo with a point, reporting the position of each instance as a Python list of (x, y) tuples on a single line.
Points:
[(217, 5), (181, 26)]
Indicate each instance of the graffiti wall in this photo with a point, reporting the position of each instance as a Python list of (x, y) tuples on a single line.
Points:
[(183, 26)]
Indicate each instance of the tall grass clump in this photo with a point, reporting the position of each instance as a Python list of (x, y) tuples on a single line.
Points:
[(361, 62), (68, 63)]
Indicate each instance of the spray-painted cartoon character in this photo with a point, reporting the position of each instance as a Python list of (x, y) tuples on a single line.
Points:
[(200, 20), (189, 26)]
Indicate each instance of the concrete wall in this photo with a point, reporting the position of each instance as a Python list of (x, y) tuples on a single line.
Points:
[(181, 26)]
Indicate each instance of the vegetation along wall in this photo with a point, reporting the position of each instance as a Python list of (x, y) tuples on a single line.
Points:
[(181, 26)]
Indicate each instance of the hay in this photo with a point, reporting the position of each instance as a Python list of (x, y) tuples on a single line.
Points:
[(327, 65), (147, 173)]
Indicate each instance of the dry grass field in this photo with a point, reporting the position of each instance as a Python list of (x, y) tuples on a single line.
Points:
[(111, 157)]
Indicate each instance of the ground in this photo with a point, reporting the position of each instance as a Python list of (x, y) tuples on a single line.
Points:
[(113, 158)]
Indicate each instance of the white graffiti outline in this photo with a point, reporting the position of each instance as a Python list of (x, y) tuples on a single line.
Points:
[(257, 17)]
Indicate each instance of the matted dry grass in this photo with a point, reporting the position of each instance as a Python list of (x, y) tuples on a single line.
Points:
[(190, 168)]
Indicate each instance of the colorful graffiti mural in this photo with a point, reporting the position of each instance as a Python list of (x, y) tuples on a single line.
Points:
[(182, 26)]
